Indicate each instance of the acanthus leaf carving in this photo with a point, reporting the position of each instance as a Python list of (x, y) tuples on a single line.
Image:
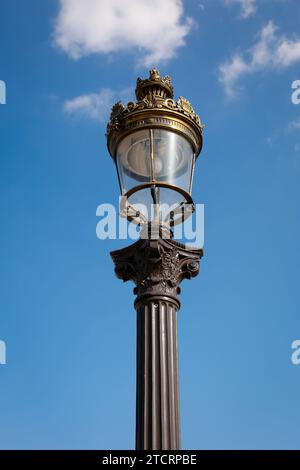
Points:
[(156, 266)]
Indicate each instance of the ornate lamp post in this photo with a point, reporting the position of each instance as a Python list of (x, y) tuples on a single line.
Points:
[(154, 143)]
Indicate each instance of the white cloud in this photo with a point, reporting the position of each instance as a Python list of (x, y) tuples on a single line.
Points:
[(96, 105), (271, 51), (288, 52), (230, 71), (248, 7), (156, 28)]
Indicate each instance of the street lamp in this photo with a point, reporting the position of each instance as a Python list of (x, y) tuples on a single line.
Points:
[(154, 143)]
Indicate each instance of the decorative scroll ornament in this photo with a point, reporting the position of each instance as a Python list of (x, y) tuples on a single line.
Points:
[(157, 266), (119, 111)]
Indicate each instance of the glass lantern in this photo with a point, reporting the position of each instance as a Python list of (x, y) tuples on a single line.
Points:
[(155, 168), (154, 143)]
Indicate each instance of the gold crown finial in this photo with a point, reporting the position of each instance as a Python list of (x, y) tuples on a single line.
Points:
[(154, 74), (154, 86)]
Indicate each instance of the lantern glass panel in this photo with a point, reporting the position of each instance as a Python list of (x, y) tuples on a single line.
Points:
[(173, 159), (155, 156), (133, 160)]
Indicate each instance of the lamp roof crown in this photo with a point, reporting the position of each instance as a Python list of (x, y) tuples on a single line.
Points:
[(155, 107)]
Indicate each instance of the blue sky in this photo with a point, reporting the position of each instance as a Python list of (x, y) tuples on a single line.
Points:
[(68, 324)]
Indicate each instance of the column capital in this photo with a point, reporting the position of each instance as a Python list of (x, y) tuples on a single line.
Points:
[(157, 266)]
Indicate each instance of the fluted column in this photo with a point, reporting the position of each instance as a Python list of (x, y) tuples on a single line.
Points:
[(157, 267), (157, 409)]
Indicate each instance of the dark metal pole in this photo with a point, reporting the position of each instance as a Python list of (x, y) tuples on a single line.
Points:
[(157, 267), (157, 415)]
